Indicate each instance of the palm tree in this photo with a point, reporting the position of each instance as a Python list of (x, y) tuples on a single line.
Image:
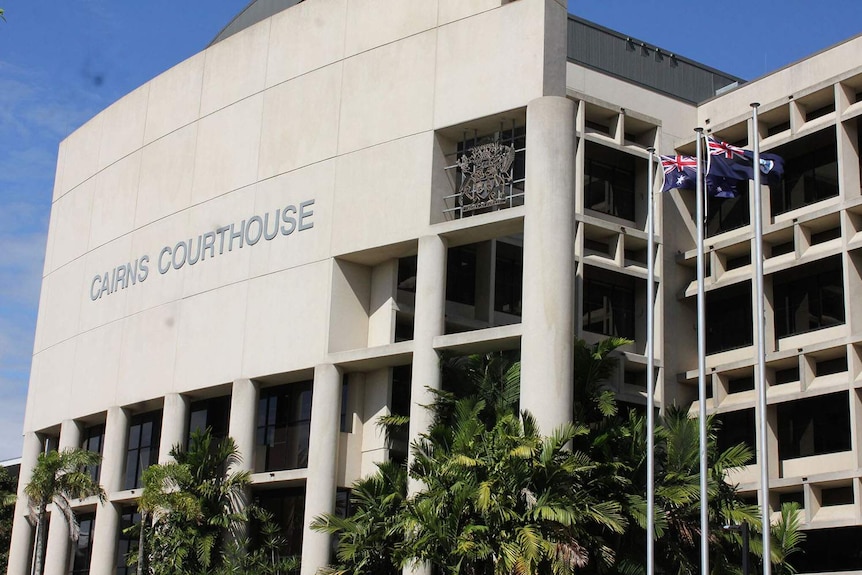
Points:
[(367, 539), (502, 499), (59, 477), (192, 503), (7, 503)]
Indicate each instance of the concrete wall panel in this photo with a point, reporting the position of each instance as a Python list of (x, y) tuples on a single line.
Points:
[(489, 63), (295, 134), (399, 172), (148, 354), (366, 30), (123, 127), (308, 36), (235, 68), (286, 320), (175, 98), (114, 200), (226, 156), (167, 173), (210, 337), (391, 93)]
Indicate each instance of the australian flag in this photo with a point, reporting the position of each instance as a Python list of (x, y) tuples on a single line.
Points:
[(680, 172), (732, 163)]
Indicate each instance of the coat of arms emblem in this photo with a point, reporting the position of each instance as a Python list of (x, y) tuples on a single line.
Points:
[(486, 172)]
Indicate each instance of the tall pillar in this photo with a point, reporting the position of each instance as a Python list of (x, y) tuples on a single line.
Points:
[(104, 558), (547, 361), (322, 464), (22, 531), (57, 549), (175, 415), (428, 323), (241, 427)]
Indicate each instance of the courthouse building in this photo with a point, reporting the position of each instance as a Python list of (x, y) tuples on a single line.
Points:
[(279, 236)]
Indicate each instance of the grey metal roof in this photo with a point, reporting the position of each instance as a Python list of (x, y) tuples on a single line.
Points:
[(256, 11), (630, 59)]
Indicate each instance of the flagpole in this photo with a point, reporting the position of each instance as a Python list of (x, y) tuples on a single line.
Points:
[(760, 319), (650, 487), (701, 366)]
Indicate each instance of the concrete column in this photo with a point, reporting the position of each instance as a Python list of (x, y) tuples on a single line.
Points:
[(22, 531), (57, 550), (322, 464), (241, 427), (547, 361), (105, 531), (428, 323), (175, 416)]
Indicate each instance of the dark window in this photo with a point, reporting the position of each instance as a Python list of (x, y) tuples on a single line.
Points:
[(778, 128), (738, 262), (635, 377), (788, 375), (783, 248), (144, 433), (283, 423), (830, 366), (825, 235), (797, 497), (814, 426), (609, 182), (820, 112), (288, 509), (461, 274), (83, 547), (127, 540), (728, 318), (508, 280), (94, 438), (345, 422), (407, 274), (400, 405), (609, 306), (836, 496), (808, 297), (740, 384), (737, 427), (810, 172), (725, 214), (830, 550), (213, 413)]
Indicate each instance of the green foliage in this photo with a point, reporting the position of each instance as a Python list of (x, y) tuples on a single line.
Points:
[(368, 537), (497, 498), (8, 486), (194, 505), (786, 539), (59, 477)]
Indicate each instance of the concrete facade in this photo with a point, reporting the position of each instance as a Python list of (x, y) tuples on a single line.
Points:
[(243, 225)]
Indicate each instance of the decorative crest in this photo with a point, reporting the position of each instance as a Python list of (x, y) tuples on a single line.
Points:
[(487, 171)]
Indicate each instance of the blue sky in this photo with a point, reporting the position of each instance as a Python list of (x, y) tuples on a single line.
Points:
[(62, 62)]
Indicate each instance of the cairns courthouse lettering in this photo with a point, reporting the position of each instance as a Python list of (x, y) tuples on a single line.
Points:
[(281, 222)]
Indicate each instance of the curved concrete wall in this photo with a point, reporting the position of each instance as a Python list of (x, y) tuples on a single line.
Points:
[(312, 134)]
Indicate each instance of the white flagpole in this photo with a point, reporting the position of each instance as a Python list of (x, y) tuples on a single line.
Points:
[(760, 319), (650, 486), (701, 367)]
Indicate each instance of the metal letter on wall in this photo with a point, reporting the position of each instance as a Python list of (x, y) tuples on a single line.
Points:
[(486, 172)]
